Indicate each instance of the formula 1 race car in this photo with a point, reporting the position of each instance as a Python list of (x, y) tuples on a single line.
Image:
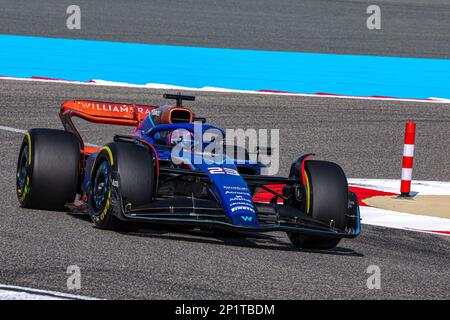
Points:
[(140, 178)]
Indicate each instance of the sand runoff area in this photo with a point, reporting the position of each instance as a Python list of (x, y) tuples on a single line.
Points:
[(427, 205)]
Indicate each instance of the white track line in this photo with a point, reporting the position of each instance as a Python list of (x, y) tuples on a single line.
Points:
[(8, 292), (97, 82), (12, 129), (401, 220), (15, 130)]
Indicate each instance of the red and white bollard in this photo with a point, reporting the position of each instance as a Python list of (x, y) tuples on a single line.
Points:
[(408, 159)]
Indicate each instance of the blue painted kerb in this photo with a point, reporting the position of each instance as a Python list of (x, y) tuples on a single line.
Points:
[(83, 60)]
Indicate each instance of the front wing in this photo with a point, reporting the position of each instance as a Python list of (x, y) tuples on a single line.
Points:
[(192, 211)]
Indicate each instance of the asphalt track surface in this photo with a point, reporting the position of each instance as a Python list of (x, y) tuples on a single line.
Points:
[(363, 136), (418, 28)]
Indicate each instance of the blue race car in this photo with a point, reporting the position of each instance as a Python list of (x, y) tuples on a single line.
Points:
[(140, 178)]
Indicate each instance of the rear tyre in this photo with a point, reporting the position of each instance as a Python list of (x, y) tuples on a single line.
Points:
[(134, 167), (48, 169), (326, 200)]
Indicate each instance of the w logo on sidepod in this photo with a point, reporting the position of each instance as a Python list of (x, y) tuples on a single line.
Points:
[(247, 218)]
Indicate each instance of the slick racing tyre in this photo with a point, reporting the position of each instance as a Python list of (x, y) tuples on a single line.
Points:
[(48, 169), (135, 171), (326, 200)]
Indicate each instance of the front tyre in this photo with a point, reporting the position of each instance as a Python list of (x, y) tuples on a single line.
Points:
[(133, 167), (326, 193), (48, 169)]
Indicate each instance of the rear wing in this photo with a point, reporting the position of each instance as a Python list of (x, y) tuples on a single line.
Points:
[(121, 114)]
